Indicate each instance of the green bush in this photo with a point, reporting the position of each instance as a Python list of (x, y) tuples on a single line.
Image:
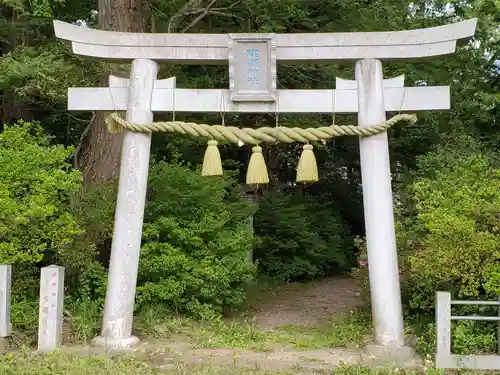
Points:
[(38, 224), (95, 209), (36, 185), (453, 238), (360, 271), (92, 283), (492, 278), (195, 245), (298, 240)]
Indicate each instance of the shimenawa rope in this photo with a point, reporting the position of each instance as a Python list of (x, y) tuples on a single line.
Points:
[(252, 136), (115, 124)]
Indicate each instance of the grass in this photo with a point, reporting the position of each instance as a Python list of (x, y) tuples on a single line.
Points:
[(83, 321), (65, 364), (340, 331), (346, 330), (83, 318), (208, 334), (349, 330), (241, 333)]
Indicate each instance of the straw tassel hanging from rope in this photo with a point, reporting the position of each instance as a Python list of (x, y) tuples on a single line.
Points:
[(257, 170), (307, 170), (212, 164)]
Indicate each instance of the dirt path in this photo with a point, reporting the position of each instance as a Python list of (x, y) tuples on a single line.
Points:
[(307, 304)]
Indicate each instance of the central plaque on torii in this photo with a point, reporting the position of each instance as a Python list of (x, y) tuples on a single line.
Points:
[(252, 67)]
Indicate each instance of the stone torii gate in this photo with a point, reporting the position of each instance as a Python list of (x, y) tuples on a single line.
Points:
[(252, 60)]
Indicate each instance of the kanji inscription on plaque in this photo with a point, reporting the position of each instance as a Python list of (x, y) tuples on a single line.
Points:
[(252, 68)]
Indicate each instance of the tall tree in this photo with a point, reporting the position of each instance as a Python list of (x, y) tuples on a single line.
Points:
[(100, 151)]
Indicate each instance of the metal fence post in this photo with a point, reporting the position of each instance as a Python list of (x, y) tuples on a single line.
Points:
[(444, 357)]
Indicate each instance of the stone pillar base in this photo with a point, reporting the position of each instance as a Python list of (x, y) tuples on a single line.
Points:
[(115, 343), (400, 356)]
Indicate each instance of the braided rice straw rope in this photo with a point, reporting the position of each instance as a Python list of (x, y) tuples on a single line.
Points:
[(255, 136)]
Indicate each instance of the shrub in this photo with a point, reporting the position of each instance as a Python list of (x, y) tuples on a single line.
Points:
[(492, 279), (36, 185), (87, 259), (195, 245), (360, 271), (453, 238), (297, 239), (92, 284)]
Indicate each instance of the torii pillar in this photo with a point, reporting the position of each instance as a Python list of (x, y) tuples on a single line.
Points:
[(252, 70), (383, 268)]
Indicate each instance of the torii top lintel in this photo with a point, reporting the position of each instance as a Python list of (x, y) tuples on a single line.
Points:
[(290, 48)]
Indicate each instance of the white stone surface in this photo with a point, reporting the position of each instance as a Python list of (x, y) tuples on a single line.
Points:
[(124, 263), (288, 101), (116, 82), (213, 48), (443, 327), (379, 217), (352, 84), (51, 308), (5, 294)]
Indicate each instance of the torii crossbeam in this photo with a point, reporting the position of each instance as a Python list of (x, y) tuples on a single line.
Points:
[(288, 101), (253, 61), (290, 48)]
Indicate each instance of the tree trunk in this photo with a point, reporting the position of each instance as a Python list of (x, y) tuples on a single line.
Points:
[(101, 150), (8, 96)]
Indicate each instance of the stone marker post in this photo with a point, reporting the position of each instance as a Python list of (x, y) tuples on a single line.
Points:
[(251, 195), (124, 263), (252, 198), (51, 308), (5, 293)]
